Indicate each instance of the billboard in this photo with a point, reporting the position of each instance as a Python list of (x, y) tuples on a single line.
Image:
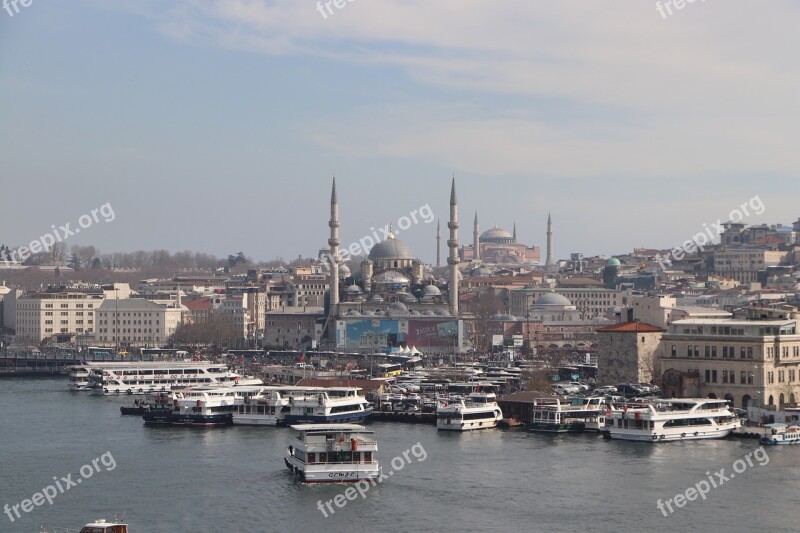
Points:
[(379, 333)]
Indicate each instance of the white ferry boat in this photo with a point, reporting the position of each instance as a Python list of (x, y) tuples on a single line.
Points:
[(79, 377), (779, 434), (554, 415), (142, 378), (327, 406), (332, 453), (478, 411), (264, 406), (673, 419)]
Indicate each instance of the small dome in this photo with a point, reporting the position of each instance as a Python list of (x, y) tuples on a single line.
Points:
[(442, 312), (482, 272), (353, 312), (414, 313), (613, 262), (344, 271), (429, 312), (552, 298), (432, 290), (353, 289), (409, 299), (368, 313), (376, 298), (398, 308)]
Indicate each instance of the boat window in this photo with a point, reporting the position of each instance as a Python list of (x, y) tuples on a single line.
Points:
[(312, 458), (323, 457)]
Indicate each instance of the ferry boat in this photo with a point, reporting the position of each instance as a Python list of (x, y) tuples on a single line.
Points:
[(79, 377), (553, 415), (264, 406), (199, 407), (478, 411), (332, 453), (779, 434), (327, 406), (670, 420), (141, 378)]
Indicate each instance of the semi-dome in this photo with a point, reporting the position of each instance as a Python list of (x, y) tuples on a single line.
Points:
[(391, 249), (391, 277), (552, 298), (497, 236)]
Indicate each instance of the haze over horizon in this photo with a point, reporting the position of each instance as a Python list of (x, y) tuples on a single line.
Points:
[(216, 126)]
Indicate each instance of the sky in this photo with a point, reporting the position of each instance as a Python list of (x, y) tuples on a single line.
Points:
[(216, 126)]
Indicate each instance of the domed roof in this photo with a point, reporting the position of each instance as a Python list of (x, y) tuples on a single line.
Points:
[(376, 298), (409, 299), (497, 235), (613, 262), (353, 289), (552, 298), (432, 290), (391, 248), (481, 272), (398, 308), (442, 312), (344, 270), (390, 276)]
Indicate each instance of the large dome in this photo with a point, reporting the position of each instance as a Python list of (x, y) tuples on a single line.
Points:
[(391, 277), (391, 248), (497, 235), (552, 298)]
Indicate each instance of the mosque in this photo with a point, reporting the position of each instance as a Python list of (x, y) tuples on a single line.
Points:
[(497, 246), (393, 302)]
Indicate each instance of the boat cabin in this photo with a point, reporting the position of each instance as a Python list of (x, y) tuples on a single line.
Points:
[(101, 526)]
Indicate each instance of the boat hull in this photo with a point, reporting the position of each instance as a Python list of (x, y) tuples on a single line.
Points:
[(257, 420), (542, 427), (340, 474), (686, 434)]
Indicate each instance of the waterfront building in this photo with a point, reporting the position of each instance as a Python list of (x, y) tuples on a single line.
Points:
[(136, 321), (628, 353), (56, 312), (752, 360)]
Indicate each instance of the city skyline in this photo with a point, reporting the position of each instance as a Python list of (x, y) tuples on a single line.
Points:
[(240, 112)]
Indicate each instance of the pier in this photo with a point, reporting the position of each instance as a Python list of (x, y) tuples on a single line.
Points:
[(411, 418)]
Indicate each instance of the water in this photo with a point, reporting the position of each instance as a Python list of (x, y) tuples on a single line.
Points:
[(234, 479)]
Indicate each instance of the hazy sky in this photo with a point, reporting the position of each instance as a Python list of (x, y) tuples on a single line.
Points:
[(216, 125)]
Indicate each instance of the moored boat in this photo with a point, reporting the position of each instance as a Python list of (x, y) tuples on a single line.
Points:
[(332, 453), (670, 420), (478, 411), (332, 405), (779, 434), (552, 415)]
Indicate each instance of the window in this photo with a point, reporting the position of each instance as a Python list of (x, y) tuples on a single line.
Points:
[(724, 352), (674, 351), (688, 351), (742, 353), (707, 351), (713, 376), (744, 377), (750, 378), (713, 351), (708, 376), (724, 376), (733, 376)]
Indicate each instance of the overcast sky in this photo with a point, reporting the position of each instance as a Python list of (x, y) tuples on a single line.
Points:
[(215, 126)]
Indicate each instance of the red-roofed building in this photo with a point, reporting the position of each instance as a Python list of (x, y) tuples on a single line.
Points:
[(628, 353)]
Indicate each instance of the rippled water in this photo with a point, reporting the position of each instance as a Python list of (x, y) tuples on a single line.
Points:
[(233, 479)]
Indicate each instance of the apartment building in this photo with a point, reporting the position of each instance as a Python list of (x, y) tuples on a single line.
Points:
[(136, 321)]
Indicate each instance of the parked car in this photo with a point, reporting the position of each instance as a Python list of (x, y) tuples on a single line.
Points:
[(581, 386), (630, 391), (565, 389)]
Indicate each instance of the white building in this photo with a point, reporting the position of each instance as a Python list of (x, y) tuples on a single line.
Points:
[(41, 315), (136, 321)]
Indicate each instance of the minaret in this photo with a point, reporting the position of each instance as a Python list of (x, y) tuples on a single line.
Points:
[(515, 232), (334, 244), (452, 243), (439, 243), (476, 248), (549, 264)]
